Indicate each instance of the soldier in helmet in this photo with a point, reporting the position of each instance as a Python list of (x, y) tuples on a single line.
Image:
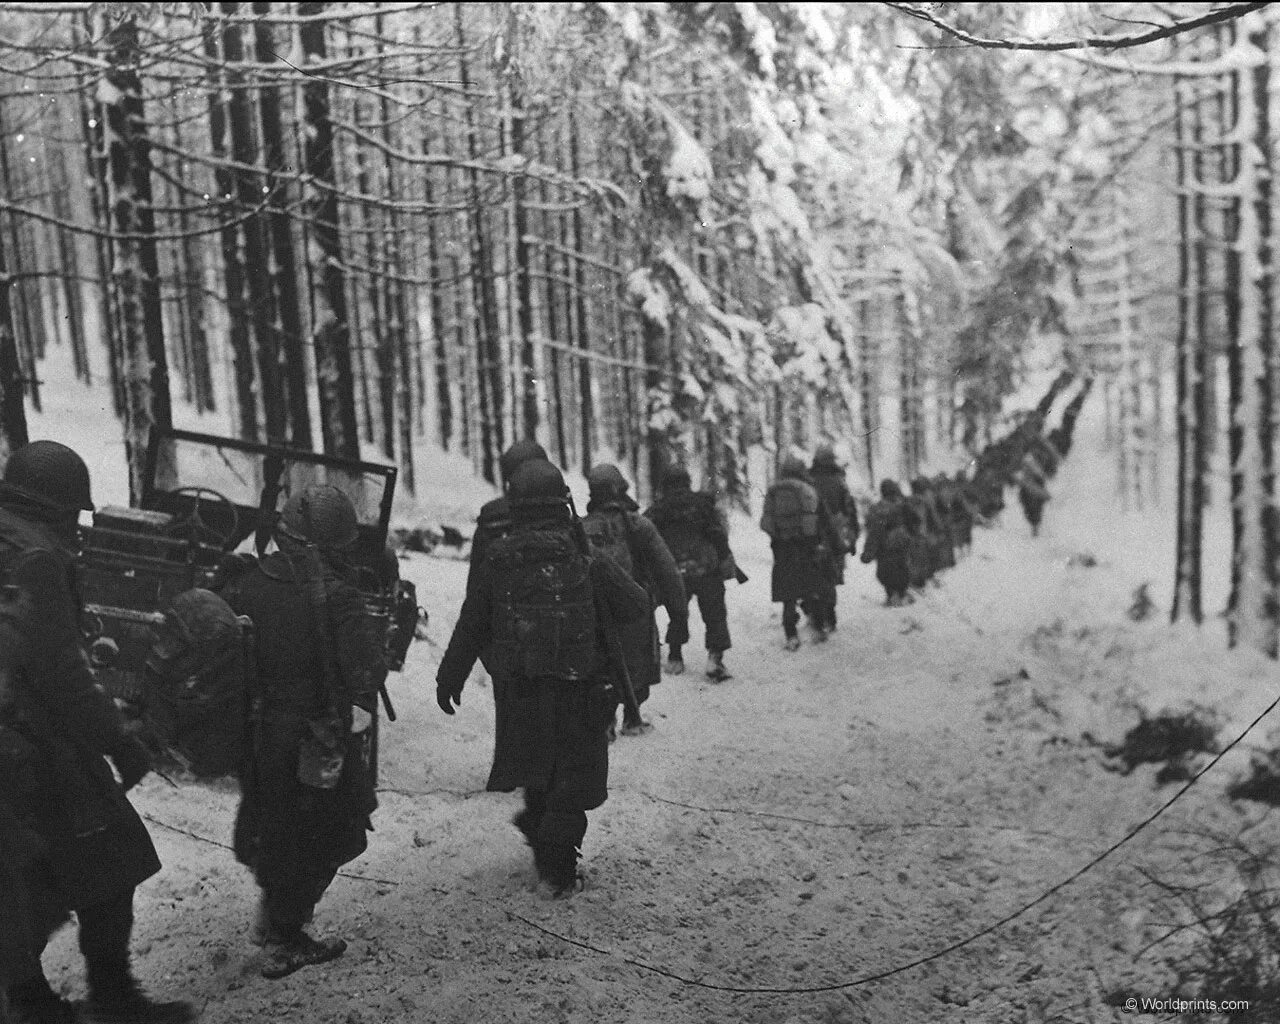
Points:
[(306, 791), (698, 538), (495, 519), (539, 614), (95, 849), (615, 527), (827, 477)]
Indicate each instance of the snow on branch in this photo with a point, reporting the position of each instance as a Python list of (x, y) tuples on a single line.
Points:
[(1174, 28)]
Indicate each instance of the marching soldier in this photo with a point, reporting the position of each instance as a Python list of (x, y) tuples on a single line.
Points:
[(805, 544), (698, 539), (827, 477), (306, 787), (94, 849), (544, 615), (615, 527)]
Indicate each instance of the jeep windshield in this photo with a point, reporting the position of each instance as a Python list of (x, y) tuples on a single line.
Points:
[(238, 487)]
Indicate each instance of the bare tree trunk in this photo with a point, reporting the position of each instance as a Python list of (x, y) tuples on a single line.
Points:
[(331, 329), (489, 361), (1186, 579), (284, 262), (233, 269), (13, 414), (135, 268)]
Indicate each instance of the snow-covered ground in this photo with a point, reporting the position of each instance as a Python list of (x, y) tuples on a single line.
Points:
[(824, 816)]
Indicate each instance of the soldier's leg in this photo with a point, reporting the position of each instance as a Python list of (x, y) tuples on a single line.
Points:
[(790, 620), (114, 994), (528, 820), (559, 839), (289, 908), (715, 616)]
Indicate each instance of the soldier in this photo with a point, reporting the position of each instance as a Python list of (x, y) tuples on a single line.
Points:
[(494, 520), (94, 848), (889, 543), (615, 527), (804, 543), (543, 614), (827, 477), (306, 787), (937, 523), (698, 539)]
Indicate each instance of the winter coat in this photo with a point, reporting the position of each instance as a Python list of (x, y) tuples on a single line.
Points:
[(95, 845), (546, 727), (830, 484), (286, 830), (655, 569), (888, 545), (803, 567), (694, 532)]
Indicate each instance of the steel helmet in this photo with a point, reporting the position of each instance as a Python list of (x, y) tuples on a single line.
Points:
[(50, 473), (606, 481), (792, 468), (825, 456), (538, 483), (322, 515), (197, 619), (517, 455), (676, 479)]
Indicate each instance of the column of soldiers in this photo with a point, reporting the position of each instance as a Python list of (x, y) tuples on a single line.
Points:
[(560, 610), (912, 538)]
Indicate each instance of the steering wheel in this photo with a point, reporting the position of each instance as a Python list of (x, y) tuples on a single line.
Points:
[(193, 525)]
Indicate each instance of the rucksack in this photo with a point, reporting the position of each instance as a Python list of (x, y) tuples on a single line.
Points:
[(790, 511), (685, 527), (544, 612), (609, 532)]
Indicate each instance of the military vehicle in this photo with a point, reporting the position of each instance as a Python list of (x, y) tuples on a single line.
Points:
[(208, 505)]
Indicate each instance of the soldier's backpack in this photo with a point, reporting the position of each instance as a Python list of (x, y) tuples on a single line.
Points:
[(686, 527), (544, 611), (609, 532), (790, 511)]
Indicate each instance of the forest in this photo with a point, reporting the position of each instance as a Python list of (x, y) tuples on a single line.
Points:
[(654, 233)]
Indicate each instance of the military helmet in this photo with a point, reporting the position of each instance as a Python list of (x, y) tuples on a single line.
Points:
[(606, 481), (197, 619), (538, 483), (825, 456), (517, 455), (50, 473), (792, 468), (676, 479), (322, 515)]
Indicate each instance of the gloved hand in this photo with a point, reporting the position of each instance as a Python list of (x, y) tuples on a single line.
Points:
[(360, 719), (448, 697), (132, 760)]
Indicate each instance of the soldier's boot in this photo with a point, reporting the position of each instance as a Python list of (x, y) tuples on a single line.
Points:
[(557, 865), (793, 643), (289, 953), (35, 1002), (716, 671), (115, 997), (675, 662), (634, 725)]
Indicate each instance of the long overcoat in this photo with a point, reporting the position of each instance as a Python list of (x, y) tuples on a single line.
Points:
[(286, 830), (95, 845), (546, 727)]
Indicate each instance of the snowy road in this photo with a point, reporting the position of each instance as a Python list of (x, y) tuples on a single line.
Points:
[(824, 816)]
